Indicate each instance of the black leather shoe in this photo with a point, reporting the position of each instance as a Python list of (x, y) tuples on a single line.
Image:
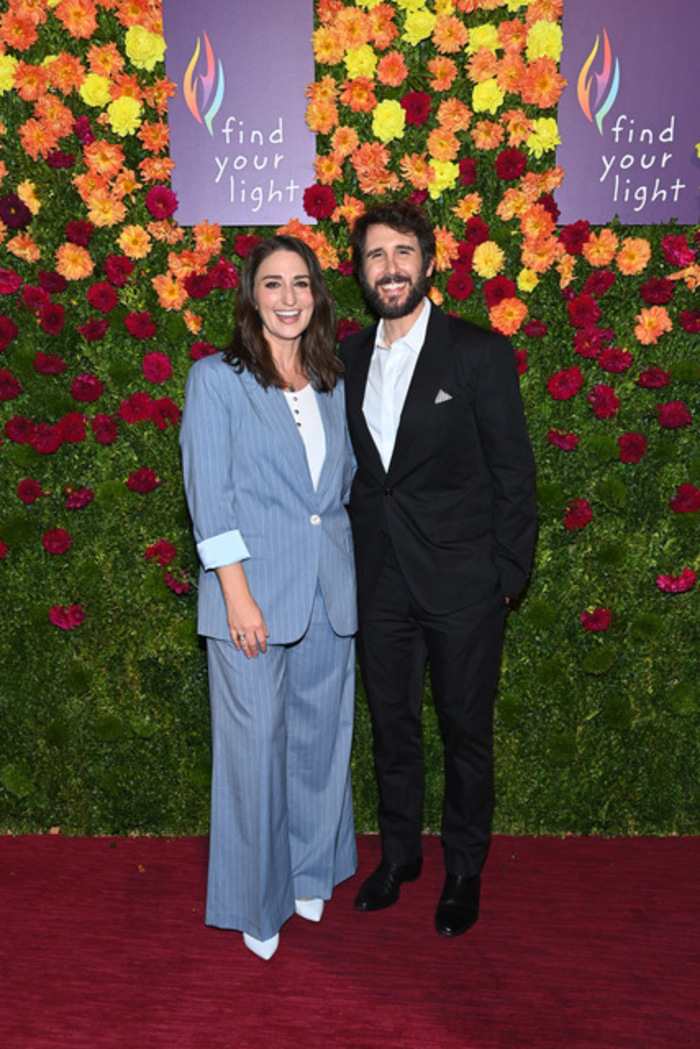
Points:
[(382, 887), (458, 908)]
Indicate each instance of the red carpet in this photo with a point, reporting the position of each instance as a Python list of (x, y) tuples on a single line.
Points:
[(581, 943)]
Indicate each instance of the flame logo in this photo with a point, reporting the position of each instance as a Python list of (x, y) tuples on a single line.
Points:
[(605, 89), (206, 81)]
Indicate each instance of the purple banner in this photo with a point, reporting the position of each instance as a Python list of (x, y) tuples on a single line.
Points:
[(243, 153), (628, 118)]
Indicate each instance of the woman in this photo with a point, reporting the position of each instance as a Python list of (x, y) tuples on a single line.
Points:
[(267, 469)]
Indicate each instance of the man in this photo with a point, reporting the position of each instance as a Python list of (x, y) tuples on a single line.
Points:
[(444, 519)]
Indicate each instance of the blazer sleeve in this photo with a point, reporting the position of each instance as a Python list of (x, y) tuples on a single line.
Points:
[(209, 422)]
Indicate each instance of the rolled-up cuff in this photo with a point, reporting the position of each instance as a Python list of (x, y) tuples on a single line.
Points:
[(224, 549)]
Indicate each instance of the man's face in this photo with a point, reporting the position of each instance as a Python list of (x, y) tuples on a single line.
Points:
[(394, 278)]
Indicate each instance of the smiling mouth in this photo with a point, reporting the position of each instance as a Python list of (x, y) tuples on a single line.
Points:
[(287, 315), (392, 286)]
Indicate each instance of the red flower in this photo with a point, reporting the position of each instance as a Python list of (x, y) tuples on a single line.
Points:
[(467, 171), (8, 331), (244, 244), (14, 212), (104, 429), (416, 105), (19, 429), (102, 296), (163, 551), (598, 619), (583, 311), (140, 325), (633, 447), (604, 401), (157, 367), (565, 383), (3, 550), (56, 541), (118, 269), (615, 360), (165, 413), (46, 439), (48, 363), (161, 202), (690, 321), (676, 250), (201, 349), (521, 361), (510, 164), (52, 317), (654, 379), (72, 427), (83, 131), (9, 282), (535, 328), (58, 159), (136, 408), (29, 491), (575, 235), (77, 498), (347, 326), (578, 515), (686, 500), (568, 442), (476, 231), (94, 329), (319, 201), (86, 388), (673, 415), (677, 584), (35, 298), (460, 285), (67, 618), (79, 231), (657, 291), (143, 480), (198, 285), (9, 386), (497, 289), (599, 282), (178, 586), (224, 274), (52, 282)]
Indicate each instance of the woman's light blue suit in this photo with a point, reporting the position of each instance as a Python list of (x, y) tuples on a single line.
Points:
[(281, 822)]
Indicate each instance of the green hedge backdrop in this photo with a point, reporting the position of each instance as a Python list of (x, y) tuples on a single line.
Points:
[(104, 302)]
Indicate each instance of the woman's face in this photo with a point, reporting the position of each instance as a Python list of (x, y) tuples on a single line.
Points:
[(283, 297)]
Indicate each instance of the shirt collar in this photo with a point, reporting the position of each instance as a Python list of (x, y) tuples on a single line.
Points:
[(414, 338)]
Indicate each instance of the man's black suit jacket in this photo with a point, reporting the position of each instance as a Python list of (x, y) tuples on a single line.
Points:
[(458, 500)]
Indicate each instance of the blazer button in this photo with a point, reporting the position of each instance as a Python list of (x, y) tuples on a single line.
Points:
[(315, 519)]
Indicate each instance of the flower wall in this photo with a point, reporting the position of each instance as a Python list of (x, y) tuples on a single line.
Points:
[(105, 302)]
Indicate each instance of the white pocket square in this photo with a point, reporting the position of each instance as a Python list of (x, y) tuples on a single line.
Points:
[(442, 397)]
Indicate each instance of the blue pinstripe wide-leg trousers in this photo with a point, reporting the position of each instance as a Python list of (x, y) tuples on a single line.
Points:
[(281, 806)]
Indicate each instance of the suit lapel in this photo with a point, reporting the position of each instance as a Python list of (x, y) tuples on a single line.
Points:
[(357, 369), (274, 412)]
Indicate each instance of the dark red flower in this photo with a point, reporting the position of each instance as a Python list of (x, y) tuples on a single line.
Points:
[(165, 413), (73, 429), (177, 585), (686, 500), (599, 282), (319, 201), (465, 254), (51, 282), (224, 274), (161, 202), (67, 618), (575, 236), (3, 550), (416, 106), (118, 269), (162, 551), (86, 388), (676, 250), (654, 379), (14, 212), (46, 439), (77, 498), (589, 342), (29, 490), (56, 541), (137, 407), (535, 328), (568, 442), (52, 317), (59, 159), (467, 171), (9, 282), (143, 480), (8, 331), (198, 285), (104, 429), (497, 289), (418, 197), (598, 619), (476, 231), (35, 298), (673, 415), (584, 311), (690, 321), (614, 359), (460, 285), (521, 361), (347, 326), (157, 367), (344, 268), (244, 244), (633, 447), (565, 383), (140, 325), (84, 132), (657, 291), (550, 205), (79, 231), (9, 386), (102, 296), (510, 164), (48, 363), (201, 349), (604, 401), (19, 429), (94, 329), (578, 515), (677, 584)]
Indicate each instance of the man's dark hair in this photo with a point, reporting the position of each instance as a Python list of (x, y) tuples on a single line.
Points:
[(401, 216)]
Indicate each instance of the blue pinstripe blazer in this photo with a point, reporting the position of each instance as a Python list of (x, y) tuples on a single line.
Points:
[(246, 472)]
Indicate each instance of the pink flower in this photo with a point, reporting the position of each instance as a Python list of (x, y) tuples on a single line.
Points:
[(56, 541), (29, 491), (3, 550), (677, 584), (565, 383), (686, 500), (161, 202), (598, 619), (77, 498), (177, 585), (86, 388), (157, 367), (67, 618), (676, 250), (633, 447), (673, 415), (143, 480), (163, 552), (604, 401), (578, 515), (319, 201), (568, 442)]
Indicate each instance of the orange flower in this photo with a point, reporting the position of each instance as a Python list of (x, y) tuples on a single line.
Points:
[(328, 168), (155, 137), (633, 255), (52, 112), (691, 276), (536, 222), (359, 95), (443, 144), (37, 140), (185, 262), (73, 261), (193, 322), (352, 27), (450, 34), (483, 65), (156, 169), (139, 12), (543, 83), (512, 203), (469, 205), (322, 115), (125, 86), (539, 253), (487, 135), (518, 126), (382, 29), (104, 208), (454, 115), (436, 296), (508, 315), (325, 88), (208, 237), (416, 169), (157, 94), (328, 49), (66, 73), (535, 183), (326, 253), (79, 17), (345, 140), (17, 31), (443, 71), (30, 81), (350, 210), (23, 247), (511, 73), (166, 232), (106, 158), (548, 10), (566, 266), (600, 248), (446, 249), (370, 162), (89, 183), (125, 184), (651, 324), (105, 60), (392, 69), (512, 35)]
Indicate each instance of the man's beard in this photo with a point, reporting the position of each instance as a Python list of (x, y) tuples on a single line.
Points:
[(385, 310)]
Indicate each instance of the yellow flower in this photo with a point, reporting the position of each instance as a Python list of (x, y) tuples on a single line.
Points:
[(469, 205), (410, 5), (483, 36), (8, 64), (487, 96), (369, 4), (361, 61), (124, 115), (26, 191), (544, 41), (489, 259), (527, 280), (388, 120), (446, 176), (94, 90), (544, 136), (143, 47), (135, 242), (419, 25)]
